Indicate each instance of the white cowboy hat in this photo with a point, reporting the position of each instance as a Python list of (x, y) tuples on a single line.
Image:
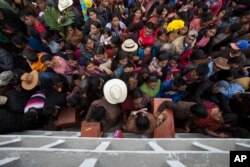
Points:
[(115, 91), (63, 4), (129, 45)]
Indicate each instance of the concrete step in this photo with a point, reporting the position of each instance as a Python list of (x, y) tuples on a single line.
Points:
[(38, 150)]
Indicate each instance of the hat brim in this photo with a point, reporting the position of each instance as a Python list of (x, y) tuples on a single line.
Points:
[(65, 7), (33, 84), (234, 46), (107, 87), (133, 49), (227, 67)]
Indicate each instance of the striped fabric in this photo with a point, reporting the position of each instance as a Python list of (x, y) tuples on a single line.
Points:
[(36, 101)]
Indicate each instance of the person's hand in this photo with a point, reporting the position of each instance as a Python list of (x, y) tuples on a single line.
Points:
[(69, 51), (151, 69), (160, 119), (160, 74), (222, 135), (140, 41), (186, 129), (108, 71)]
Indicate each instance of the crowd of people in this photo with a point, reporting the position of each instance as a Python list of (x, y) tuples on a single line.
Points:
[(109, 59)]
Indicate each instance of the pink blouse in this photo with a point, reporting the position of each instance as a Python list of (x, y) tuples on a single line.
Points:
[(63, 65)]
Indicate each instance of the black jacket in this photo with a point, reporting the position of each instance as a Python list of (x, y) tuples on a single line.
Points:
[(6, 60)]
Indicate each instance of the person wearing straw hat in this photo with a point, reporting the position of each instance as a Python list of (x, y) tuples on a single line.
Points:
[(64, 4), (129, 45), (30, 80), (216, 65)]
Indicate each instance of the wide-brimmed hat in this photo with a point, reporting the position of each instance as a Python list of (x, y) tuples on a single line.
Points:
[(240, 45), (3, 100), (129, 45), (30, 80), (6, 77), (115, 91), (64, 4), (222, 63)]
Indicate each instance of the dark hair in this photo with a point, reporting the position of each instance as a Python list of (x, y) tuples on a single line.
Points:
[(235, 27), (45, 58), (152, 78), (131, 27), (96, 24), (27, 12), (18, 40), (161, 32), (88, 62), (116, 15), (162, 57), (30, 116), (71, 57), (136, 93), (203, 6), (48, 111), (245, 97), (98, 113), (93, 10), (207, 17), (179, 81), (199, 110), (94, 83), (76, 77), (137, 8), (100, 50), (198, 54), (30, 55), (107, 30), (238, 60), (144, 70), (45, 35), (202, 70), (120, 56), (86, 38), (115, 40), (142, 122), (150, 26)]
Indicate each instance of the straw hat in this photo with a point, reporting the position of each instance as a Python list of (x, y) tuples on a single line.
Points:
[(129, 45), (30, 80), (115, 91), (222, 63), (64, 4)]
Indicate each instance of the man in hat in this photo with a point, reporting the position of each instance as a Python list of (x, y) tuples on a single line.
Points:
[(234, 50), (216, 65), (102, 111), (184, 43)]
